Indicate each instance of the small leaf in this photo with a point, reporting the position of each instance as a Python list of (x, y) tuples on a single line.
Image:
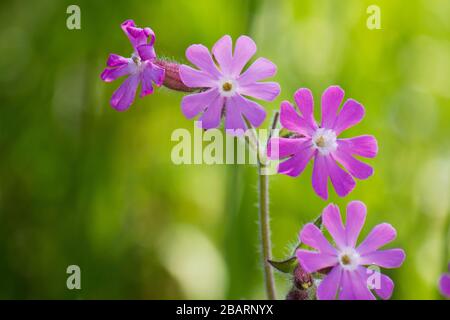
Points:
[(286, 266), (318, 222)]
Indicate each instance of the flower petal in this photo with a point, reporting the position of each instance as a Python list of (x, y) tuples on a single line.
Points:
[(109, 75), (382, 284), (137, 36), (222, 51), (295, 165), (233, 116), (146, 52), (158, 74), (146, 85), (245, 49), (292, 121), (331, 100), (360, 284), (266, 91), (354, 286), (151, 73), (279, 148), (195, 78), (386, 287), (342, 181), (346, 290), (261, 69), (199, 55), (126, 24), (213, 114), (444, 285), (124, 96), (379, 236), (391, 258), (356, 216), (114, 60), (313, 261), (352, 113), (193, 104), (252, 111), (356, 168), (364, 146), (313, 237), (328, 287), (305, 102), (320, 176), (332, 220)]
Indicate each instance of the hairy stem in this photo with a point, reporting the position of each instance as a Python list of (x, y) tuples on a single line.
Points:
[(264, 217), (263, 187), (263, 202)]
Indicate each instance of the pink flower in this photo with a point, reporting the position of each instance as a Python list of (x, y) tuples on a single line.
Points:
[(225, 86), (348, 278), (321, 142), (444, 283), (140, 68)]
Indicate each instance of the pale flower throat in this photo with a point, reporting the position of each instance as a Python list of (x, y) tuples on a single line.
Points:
[(324, 140), (227, 87), (349, 259), (136, 64)]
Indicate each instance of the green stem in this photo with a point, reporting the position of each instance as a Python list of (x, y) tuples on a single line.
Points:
[(263, 186), (263, 203)]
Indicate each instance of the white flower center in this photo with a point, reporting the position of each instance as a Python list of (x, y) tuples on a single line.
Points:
[(136, 64), (324, 140), (227, 87), (349, 259)]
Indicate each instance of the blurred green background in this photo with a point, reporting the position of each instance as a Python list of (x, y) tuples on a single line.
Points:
[(83, 184)]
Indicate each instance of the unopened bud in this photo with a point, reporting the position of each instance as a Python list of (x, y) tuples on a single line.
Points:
[(295, 294), (302, 279)]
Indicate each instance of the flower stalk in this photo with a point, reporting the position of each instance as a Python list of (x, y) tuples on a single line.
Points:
[(266, 247), (264, 216)]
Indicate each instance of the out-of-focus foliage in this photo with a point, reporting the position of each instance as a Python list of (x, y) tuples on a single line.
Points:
[(83, 184)]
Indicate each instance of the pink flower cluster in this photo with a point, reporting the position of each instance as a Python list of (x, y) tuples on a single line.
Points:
[(221, 87)]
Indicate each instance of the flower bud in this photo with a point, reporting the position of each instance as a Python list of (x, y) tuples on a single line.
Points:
[(302, 279), (295, 294)]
